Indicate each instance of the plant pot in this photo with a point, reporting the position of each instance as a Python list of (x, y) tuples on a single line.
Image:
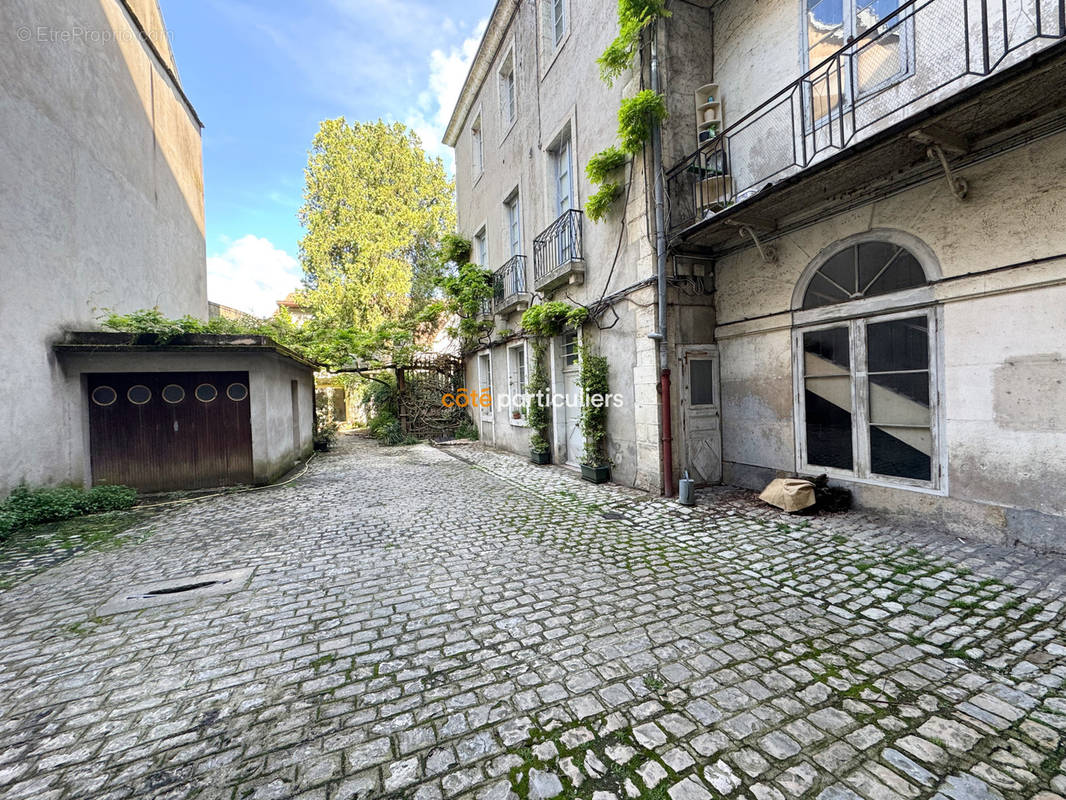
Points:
[(544, 457), (516, 415), (600, 474)]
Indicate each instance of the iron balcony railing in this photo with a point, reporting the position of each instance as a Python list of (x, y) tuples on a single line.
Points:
[(557, 246), (509, 282), (900, 64)]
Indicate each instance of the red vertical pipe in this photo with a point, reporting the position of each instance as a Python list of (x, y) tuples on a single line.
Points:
[(667, 436)]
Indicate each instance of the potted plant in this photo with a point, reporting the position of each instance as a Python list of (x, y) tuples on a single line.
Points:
[(595, 466), (516, 414)]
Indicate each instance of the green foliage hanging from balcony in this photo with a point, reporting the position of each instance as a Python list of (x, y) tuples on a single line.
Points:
[(637, 116), (551, 319), (602, 165), (633, 17), (455, 249)]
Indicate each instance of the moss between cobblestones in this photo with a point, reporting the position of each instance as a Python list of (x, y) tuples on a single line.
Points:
[(33, 550)]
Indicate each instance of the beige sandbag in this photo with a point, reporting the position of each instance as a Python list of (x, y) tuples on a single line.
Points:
[(789, 494)]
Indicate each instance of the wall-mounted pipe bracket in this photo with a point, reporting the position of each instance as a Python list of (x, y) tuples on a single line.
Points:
[(958, 186), (767, 251)]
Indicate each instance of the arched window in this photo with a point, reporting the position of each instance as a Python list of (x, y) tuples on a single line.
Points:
[(865, 362), (863, 269)]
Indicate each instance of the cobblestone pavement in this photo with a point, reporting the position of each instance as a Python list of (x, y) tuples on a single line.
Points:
[(427, 623)]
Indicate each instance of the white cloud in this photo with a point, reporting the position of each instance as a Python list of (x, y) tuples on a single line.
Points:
[(447, 72), (252, 275)]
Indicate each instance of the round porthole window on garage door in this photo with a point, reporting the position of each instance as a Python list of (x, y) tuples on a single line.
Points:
[(173, 393), (206, 393), (104, 396), (237, 392), (139, 395)]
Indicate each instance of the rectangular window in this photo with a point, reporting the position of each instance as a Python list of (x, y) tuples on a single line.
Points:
[(557, 20), (701, 381), (867, 397), (874, 62), (481, 248), (562, 175), (477, 143), (508, 93), (570, 349), (516, 369), (513, 215), (484, 379)]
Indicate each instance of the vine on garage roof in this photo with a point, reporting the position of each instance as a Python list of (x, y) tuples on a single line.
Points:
[(637, 115)]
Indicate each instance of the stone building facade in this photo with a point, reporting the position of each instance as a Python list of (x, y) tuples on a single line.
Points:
[(866, 248)]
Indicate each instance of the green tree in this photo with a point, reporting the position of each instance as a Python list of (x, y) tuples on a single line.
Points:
[(375, 207)]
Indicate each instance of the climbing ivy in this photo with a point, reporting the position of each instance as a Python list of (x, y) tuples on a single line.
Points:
[(594, 389), (466, 290), (637, 116)]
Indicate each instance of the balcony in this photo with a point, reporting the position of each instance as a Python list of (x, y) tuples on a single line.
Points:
[(932, 87), (557, 257), (509, 286)]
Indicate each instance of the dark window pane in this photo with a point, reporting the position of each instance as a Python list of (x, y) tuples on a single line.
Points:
[(901, 452), (903, 273), (701, 379), (900, 398), (899, 344), (824, 349), (873, 258), (840, 269), (828, 431)]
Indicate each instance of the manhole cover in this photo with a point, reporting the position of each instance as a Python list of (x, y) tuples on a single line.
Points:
[(147, 595)]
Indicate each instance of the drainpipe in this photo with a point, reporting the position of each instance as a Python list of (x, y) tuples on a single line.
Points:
[(660, 259)]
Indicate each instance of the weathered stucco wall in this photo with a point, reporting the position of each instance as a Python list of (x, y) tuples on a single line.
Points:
[(269, 392), (103, 207), (1003, 344), (559, 90)]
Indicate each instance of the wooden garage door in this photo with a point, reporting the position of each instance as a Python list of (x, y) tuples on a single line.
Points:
[(160, 431)]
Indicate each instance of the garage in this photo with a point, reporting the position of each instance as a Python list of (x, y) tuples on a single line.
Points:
[(168, 430)]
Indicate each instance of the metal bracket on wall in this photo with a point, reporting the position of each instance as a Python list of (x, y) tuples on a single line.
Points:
[(939, 143), (767, 251)]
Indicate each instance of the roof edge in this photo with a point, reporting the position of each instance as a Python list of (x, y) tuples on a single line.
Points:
[(499, 22), (101, 342)]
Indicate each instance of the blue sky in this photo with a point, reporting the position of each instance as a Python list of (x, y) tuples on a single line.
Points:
[(263, 75)]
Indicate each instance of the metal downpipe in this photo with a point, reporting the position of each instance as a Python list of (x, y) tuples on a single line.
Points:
[(666, 435)]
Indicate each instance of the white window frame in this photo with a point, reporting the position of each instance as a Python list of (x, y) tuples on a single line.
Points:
[(860, 412), (556, 157), (484, 381), (512, 212), (477, 147), (507, 83), (517, 383), (558, 22), (851, 96), (481, 247)]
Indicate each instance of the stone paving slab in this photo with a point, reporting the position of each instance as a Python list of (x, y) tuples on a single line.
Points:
[(427, 623)]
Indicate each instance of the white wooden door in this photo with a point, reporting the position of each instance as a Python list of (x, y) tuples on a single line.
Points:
[(701, 420)]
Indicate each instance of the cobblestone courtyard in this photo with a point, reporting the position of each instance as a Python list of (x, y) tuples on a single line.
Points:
[(427, 623)]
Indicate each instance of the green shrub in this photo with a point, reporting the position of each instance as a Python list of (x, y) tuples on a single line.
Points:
[(548, 319), (538, 414), (599, 204), (637, 116), (601, 165), (594, 389), (27, 507)]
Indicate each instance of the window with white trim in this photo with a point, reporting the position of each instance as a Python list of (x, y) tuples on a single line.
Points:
[(484, 380), (866, 382), (508, 91), (516, 378), (481, 248), (513, 218), (477, 147), (557, 21)]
